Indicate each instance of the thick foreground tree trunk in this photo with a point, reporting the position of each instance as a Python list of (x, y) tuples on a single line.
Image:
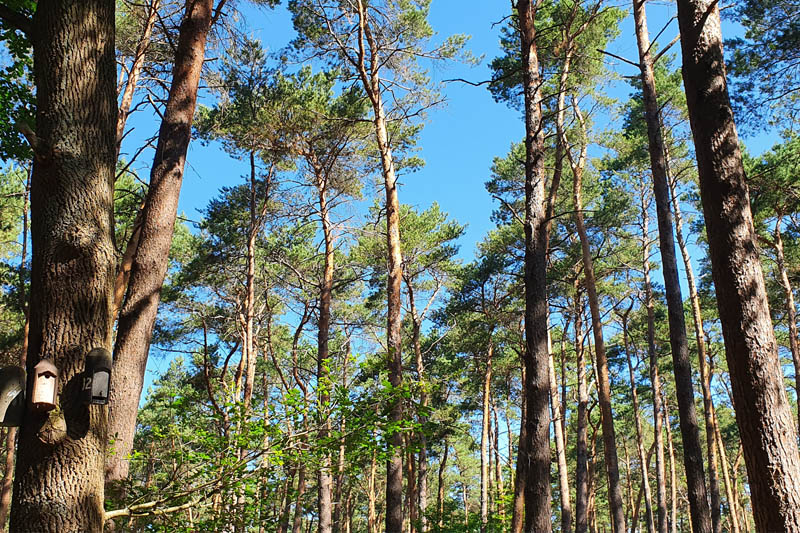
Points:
[(149, 267), (59, 474), (762, 409), (536, 449)]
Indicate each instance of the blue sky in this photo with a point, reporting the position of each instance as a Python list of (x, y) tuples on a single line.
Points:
[(459, 140)]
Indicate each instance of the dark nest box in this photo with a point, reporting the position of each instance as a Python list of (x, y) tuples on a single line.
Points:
[(97, 377), (45, 386), (12, 396)]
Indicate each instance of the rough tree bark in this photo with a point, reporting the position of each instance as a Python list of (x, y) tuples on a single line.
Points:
[(58, 485), (149, 267), (690, 431), (536, 459), (762, 410)]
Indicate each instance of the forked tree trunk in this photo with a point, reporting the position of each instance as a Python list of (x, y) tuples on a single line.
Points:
[(58, 485), (536, 459), (762, 410), (690, 432), (601, 363), (138, 314)]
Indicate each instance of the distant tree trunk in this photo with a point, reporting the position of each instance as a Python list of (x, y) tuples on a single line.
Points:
[(500, 507), (762, 409), (705, 372), (729, 488), (135, 70), (440, 491), (518, 502), (424, 400), (58, 486), (581, 445), (297, 522), (648, 501), (536, 460), (149, 267), (372, 86), (791, 313), (673, 475), (372, 519), (655, 380), (603, 385), (325, 504), (692, 450), (487, 390), (563, 474)]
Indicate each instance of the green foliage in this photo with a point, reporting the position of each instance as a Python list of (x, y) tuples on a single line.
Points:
[(765, 62), (16, 85)]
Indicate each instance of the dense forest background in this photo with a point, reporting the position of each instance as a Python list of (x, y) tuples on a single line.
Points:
[(360, 272)]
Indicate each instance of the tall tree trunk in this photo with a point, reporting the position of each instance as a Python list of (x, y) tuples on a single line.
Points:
[(673, 475), (58, 485), (324, 502), (424, 400), (603, 384), (690, 432), (648, 501), (485, 414), (729, 488), (762, 408), (394, 463), (563, 475), (536, 462), (500, 506), (518, 502), (372, 519), (135, 326), (655, 380), (791, 313), (297, 521), (581, 445), (705, 371), (440, 491)]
